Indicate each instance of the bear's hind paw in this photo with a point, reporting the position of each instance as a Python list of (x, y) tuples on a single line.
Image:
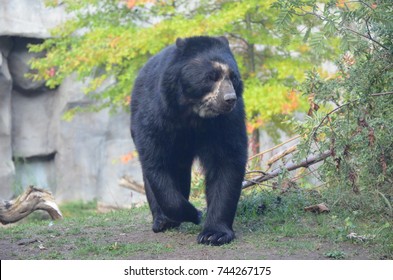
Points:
[(163, 224), (215, 238)]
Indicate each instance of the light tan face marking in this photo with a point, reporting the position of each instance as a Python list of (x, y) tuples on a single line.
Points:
[(223, 67), (205, 108)]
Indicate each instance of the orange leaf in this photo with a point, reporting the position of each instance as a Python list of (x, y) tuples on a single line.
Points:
[(340, 4), (127, 100), (114, 42), (131, 4), (126, 158), (250, 127)]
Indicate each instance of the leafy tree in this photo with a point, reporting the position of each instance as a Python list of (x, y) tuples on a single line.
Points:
[(355, 119), (114, 38)]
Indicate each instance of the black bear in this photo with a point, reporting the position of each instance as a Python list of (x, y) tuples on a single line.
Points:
[(187, 103)]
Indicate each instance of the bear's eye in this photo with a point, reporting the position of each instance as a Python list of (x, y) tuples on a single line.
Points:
[(213, 76)]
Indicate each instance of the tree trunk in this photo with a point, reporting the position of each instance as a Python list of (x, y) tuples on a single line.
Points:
[(254, 139)]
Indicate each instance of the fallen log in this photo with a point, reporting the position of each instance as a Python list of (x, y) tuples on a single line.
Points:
[(290, 167), (31, 200)]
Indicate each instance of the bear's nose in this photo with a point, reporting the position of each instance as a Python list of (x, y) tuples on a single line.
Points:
[(230, 98)]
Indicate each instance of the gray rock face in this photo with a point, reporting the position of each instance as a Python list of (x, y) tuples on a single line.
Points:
[(6, 163), (88, 151), (28, 18), (117, 144), (78, 159), (32, 116), (19, 66), (6, 44)]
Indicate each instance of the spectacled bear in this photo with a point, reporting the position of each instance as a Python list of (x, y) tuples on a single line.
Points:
[(187, 103)]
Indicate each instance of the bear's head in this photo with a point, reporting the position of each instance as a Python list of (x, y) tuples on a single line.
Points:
[(209, 78)]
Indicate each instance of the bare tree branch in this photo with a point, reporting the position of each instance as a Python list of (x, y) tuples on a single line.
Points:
[(322, 18), (282, 154), (275, 147), (129, 183), (382, 93), (366, 37), (290, 167)]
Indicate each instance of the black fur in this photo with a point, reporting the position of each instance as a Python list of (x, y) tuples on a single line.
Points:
[(170, 130)]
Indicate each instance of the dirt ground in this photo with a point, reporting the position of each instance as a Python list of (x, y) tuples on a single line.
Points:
[(175, 244)]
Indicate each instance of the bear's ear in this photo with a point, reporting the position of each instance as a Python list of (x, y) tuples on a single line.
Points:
[(180, 43), (224, 40)]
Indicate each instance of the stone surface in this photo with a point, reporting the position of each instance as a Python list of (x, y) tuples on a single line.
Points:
[(6, 44), (31, 119), (118, 143), (28, 18), (18, 61), (79, 155), (6, 163), (88, 151), (78, 159)]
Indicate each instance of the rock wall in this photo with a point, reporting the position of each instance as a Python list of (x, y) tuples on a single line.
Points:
[(79, 159), (7, 168)]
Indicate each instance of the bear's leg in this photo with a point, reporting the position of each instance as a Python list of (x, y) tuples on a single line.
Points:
[(182, 178), (223, 187), (160, 221), (166, 198)]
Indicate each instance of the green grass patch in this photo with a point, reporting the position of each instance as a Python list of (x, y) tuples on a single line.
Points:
[(78, 208), (336, 255), (283, 216)]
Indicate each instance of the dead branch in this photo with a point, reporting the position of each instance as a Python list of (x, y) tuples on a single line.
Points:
[(275, 147), (129, 183), (31, 200), (282, 154), (290, 167), (382, 93)]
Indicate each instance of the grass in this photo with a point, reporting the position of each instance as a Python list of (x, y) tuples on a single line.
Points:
[(283, 217), (268, 225), (337, 255)]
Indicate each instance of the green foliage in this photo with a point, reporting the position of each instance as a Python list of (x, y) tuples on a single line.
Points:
[(336, 255), (355, 119), (112, 39)]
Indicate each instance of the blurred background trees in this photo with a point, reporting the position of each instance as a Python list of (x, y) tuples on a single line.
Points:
[(114, 38)]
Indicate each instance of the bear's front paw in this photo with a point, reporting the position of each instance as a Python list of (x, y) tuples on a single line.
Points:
[(162, 224), (215, 237)]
